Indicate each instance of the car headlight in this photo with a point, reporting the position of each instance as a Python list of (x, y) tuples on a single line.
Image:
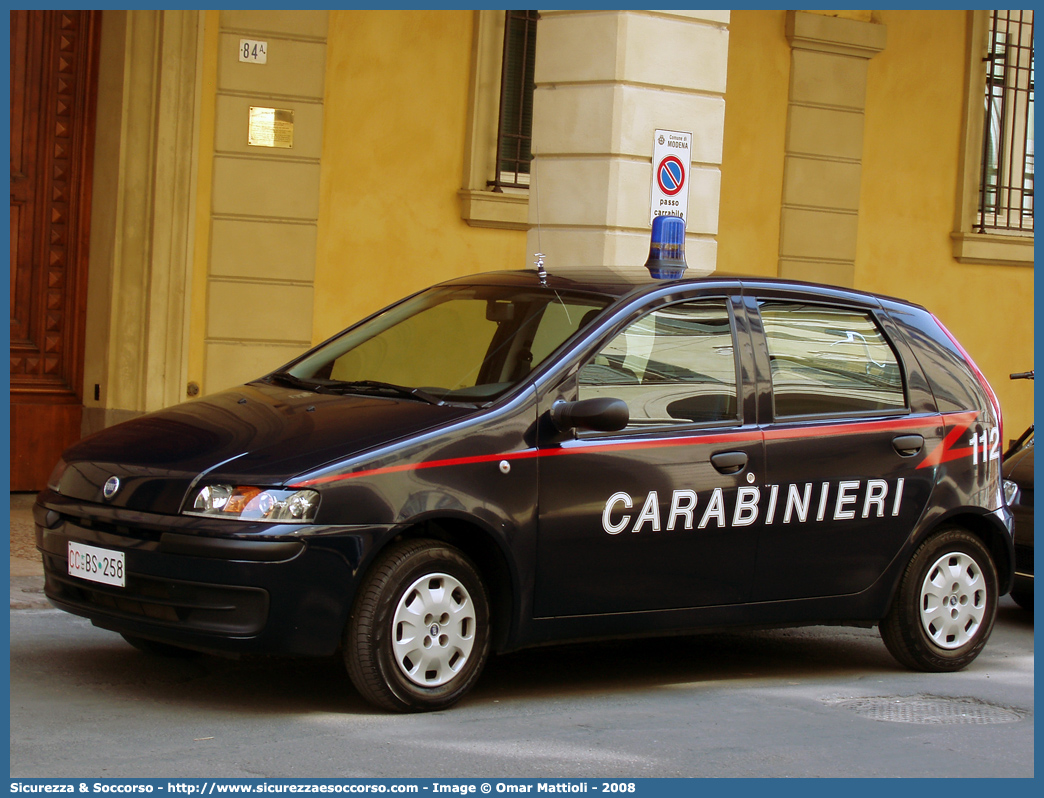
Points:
[(249, 503), (1011, 492)]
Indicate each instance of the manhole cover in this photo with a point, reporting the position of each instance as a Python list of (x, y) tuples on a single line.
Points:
[(929, 709)]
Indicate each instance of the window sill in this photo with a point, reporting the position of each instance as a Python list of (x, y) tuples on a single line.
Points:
[(999, 250), (489, 209)]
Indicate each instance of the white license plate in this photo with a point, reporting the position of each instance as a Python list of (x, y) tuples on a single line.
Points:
[(97, 565)]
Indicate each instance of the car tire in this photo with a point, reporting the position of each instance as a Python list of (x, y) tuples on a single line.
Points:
[(418, 636), (157, 649), (943, 612)]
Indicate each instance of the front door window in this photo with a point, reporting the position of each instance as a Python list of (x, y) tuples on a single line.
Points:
[(676, 365)]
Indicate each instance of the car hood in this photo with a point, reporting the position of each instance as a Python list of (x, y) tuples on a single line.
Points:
[(255, 434)]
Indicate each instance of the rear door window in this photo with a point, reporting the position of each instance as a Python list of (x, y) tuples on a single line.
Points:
[(829, 361)]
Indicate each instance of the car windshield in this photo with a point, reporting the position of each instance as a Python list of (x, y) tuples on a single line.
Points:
[(449, 343)]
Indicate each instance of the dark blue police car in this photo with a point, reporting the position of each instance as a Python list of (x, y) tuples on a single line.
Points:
[(512, 459)]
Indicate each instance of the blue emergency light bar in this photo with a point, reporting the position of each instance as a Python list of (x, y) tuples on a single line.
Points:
[(667, 250)]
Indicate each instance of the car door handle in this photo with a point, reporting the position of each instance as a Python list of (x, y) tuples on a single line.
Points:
[(908, 445), (729, 462)]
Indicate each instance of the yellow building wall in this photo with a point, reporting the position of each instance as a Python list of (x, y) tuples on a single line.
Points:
[(915, 100), (383, 232), (256, 206), (752, 152), (913, 124), (396, 111)]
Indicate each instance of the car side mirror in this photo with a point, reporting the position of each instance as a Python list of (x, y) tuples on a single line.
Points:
[(601, 414)]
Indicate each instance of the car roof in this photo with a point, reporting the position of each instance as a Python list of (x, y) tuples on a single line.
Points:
[(614, 285)]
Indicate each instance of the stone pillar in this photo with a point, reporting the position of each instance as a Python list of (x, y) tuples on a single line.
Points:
[(142, 214), (605, 81), (265, 199), (824, 145)]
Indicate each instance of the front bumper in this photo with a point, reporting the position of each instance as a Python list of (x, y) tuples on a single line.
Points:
[(219, 586)]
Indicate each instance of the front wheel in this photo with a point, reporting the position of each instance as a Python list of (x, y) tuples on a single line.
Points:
[(943, 612), (418, 635)]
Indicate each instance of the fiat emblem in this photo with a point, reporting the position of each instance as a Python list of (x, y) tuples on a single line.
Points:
[(112, 484)]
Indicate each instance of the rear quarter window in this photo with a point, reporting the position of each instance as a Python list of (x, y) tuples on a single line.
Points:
[(829, 361), (952, 383)]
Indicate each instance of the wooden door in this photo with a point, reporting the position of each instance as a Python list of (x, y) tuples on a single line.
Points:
[(53, 89)]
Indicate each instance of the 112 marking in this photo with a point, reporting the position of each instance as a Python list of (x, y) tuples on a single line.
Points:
[(989, 441)]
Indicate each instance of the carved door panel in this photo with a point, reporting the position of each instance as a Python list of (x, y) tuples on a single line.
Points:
[(53, 86)]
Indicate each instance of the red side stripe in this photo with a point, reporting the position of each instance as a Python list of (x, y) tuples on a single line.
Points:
[(942, 453), (945, 451)]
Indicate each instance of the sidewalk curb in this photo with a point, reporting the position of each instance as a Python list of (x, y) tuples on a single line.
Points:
[(27, 585)]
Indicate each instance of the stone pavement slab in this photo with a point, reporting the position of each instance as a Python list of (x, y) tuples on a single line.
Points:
[(27, 584), (26, 569)]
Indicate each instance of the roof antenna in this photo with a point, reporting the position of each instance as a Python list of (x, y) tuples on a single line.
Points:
[(541, 271)]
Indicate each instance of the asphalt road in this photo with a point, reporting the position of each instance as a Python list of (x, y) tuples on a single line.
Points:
[(784, 703)]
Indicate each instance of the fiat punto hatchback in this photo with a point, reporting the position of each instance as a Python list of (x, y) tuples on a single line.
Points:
[(511, 459)]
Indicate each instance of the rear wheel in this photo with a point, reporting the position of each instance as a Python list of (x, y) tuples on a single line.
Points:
[(943, 612), (418, 635)]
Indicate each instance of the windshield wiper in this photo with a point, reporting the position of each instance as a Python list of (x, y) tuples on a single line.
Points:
[(320, 385), (287, 378), (375, 386)]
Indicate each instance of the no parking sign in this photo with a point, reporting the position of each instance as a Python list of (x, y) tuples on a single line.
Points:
[(671, 162)]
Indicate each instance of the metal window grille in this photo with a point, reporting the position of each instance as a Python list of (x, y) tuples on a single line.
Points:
[(1006, 185), (515, 132)]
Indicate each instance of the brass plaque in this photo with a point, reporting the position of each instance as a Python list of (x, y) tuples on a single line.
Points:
[(271, 127)]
